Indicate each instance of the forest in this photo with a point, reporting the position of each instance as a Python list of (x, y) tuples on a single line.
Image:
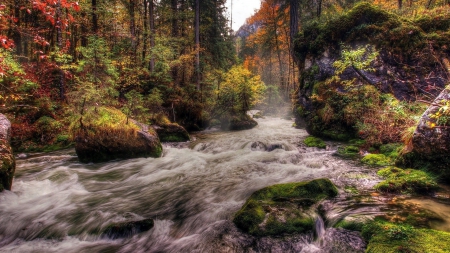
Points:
[(364, 79)]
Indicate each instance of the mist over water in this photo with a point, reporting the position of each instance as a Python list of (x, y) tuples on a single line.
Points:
[(60, 205)]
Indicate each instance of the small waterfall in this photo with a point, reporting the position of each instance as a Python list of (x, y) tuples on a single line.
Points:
[(319, 228)]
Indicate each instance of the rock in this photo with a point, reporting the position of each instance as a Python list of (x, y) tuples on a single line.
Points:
[(429, 138), (7, 160), (283, 208), (172, 132), (431, 141), (100, 142), (258, 146), (128, 229), (238, 122), (272, 147)]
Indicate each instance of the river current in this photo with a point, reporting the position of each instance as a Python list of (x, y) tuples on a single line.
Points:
[(59, 205)]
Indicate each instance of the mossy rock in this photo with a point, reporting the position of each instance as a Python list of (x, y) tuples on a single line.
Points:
[(172, 132), (377, 160), (387, 237), (391, 150), (238, 122), (312, 141), (7, 159), (104, 134), (348, 151), (258, 115), (127, 229), (283, 208), (437, 164), (408, 181), (353, 225)]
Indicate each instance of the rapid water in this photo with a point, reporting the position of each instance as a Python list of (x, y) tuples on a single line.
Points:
[(59, 205)]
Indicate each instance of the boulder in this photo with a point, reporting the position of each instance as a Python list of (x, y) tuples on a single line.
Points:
[(128, 229), (7, 160), (283, 208), (429, 137), (117, 138), (238, 122), (172, 132), (431, 140)]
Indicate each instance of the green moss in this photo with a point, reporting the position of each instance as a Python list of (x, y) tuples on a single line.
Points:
[(312, 141), (349, 151), (377, 160), (172, 132), (386, 237), (391, 150), (351, 189), (214, 122), (103, 118), (282, 208), (409, 181), (105, 134), (353, 225)]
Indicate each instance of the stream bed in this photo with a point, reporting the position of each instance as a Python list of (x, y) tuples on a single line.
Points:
[(60, 205)]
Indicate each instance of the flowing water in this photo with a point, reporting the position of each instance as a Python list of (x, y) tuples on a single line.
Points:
[(60, 205)]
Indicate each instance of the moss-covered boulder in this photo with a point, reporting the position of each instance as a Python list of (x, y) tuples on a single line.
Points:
[(406, 181), (7, 160), (238, 122), (172, 132), (104, 134), (312, 141), (283, 208), (128, 229)]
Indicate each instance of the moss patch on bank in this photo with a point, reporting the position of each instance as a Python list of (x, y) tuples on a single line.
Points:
[(406, 181), (312, 141), (283, 208), (386, 237)]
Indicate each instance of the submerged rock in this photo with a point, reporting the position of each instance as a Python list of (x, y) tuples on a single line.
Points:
[(172, 132), (128, 229), (7, 160), (97, 141), (283, 208)]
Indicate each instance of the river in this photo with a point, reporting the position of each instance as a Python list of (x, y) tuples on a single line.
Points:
[(59, 205)]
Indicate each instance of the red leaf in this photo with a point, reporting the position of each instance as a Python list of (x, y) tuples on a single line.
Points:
[(2, 7), (29, 11)]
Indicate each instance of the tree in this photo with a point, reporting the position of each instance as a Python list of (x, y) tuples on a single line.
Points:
[(239, 91)]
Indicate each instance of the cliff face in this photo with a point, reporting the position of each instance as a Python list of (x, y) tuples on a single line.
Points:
[(409, 65)]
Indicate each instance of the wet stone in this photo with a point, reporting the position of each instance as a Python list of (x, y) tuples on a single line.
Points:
[(128, 229)]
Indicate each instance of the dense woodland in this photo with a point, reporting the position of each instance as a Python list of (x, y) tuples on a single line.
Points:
[(156, 61)]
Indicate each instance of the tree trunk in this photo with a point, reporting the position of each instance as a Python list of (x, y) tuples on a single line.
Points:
[(94, 16), (146, 32), (59, 44), (152, 33), (280, 62), (293, 25), (197, 43), (400, 4), (319, 8), (133, 28)]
